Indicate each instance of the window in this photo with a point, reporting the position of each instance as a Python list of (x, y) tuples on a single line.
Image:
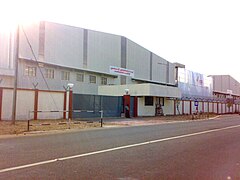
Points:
[(65, 75), (80, 77), (49, 73), (148, 101), (92, 79), (103, 81), (30, 71)]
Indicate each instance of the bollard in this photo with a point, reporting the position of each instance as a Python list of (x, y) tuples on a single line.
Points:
[(28, 125), (69, 122), (101, 118)]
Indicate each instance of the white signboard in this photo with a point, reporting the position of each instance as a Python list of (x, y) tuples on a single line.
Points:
[(229, 91), (121, 71)]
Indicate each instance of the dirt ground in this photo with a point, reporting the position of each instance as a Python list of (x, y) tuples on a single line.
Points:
[(21, 127)]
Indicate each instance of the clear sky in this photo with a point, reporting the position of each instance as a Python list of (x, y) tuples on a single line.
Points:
[(202, 34)]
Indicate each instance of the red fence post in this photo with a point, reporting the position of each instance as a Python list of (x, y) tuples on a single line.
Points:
[(36, 104), (1, 95), (135, 112), (203, 106), (70, 104), (126, 99), (65, 105), (190, 107)]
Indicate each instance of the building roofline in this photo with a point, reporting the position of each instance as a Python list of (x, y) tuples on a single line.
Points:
[(154, 82), (109, 34)]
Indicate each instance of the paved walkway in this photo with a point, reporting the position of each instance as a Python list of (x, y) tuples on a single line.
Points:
[(151, 120)]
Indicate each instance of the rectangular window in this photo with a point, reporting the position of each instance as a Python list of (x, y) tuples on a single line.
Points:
[(148, 101), (65, 75), (49, 73), (30, 71), (103, 81), (80, 77), (92, 79)]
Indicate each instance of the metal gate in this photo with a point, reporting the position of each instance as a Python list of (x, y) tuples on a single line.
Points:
[(111, 105)]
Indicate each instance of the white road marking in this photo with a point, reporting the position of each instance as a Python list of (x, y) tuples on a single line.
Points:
[(114, 149)]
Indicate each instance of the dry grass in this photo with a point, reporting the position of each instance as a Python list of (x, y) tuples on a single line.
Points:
[(43, 125), (185, 117)]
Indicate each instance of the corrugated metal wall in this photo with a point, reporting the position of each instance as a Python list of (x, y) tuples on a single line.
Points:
[(223, 83), (75, 47), (64, 45), (104, 50), (138, 59), (6, 53), (159, 69), (32, 33)]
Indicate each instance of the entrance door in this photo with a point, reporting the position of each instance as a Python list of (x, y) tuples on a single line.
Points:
[(159, 103)]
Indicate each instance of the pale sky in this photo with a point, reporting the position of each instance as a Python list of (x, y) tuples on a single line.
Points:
[(204, 35)]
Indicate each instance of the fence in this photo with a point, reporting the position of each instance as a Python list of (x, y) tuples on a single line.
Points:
[(48, 104), (191, 107), (31, 100), (68, 122)]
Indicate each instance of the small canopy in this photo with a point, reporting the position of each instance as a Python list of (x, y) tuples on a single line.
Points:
[(145, 89)]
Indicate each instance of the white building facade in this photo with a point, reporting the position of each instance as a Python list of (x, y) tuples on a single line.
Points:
[(52, 55)]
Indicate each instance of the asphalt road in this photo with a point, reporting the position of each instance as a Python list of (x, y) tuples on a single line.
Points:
[(192, 150)]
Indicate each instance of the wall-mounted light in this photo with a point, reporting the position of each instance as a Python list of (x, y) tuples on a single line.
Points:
[(70, 86), (126, 91)]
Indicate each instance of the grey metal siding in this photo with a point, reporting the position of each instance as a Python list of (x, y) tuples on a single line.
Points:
[(6, 57), (85, 48), (159, 69), (138, 59), (151, 65), (6, 60), (64, 45), (171, 73), (41, 50), (123, 58), (222, 83), (104, 50), (29, 33)]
